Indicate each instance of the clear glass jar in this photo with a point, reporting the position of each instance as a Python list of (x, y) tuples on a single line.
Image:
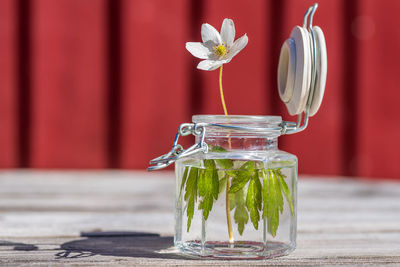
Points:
[(238, 200)]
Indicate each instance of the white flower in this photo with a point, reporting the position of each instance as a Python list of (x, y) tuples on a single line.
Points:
[(217, 49)]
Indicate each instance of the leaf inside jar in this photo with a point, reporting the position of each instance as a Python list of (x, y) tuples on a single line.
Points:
[(255, 192)]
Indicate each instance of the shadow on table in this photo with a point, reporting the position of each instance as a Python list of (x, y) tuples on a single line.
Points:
[(122, 244), (18, 246)]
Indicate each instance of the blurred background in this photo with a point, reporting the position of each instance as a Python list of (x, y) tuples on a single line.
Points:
[(93, 84)]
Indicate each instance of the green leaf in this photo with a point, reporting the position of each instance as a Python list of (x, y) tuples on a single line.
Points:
[(253, 199), (223, 163), (205, 178), (232, 201), (241, 215), (278, 192), (258, 190), (216, 148), (285, 189), (184, 177), (273, 222), (241, 218), (264, 177), (241, 176), (208, 186), (206, 205), (201, 182), (209, 164), (274, 202), (191, 194), (222, 184), (266, 196), (215, 186)]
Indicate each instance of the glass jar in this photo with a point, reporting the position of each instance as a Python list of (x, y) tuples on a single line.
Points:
[(238, 200)]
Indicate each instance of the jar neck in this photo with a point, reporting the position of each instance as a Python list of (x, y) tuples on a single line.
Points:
[(247, 139), (272, 143), (260, 143)]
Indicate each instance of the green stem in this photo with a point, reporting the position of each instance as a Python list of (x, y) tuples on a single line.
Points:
[(228, 212), (227, 200), (222, 91)]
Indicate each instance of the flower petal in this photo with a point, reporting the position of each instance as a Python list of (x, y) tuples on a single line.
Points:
[(210, 34), (198, 50), (210, 64), (237, 46), (228, 32)]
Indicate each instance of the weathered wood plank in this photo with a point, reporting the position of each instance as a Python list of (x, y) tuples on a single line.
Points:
[(42, 215)]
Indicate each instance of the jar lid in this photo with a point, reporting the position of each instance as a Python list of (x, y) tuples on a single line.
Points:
[(302, 68)]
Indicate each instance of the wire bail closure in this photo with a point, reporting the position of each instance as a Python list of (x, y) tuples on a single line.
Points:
[(177, 150), (286, 127), (199, 129)]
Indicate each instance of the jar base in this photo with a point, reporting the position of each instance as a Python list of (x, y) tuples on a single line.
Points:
[(238, 250)]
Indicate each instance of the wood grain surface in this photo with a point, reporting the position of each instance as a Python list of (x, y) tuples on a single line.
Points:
[(126, 218)]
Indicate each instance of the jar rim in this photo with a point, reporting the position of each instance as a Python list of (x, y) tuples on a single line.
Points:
[(238, 119), (249, 125)]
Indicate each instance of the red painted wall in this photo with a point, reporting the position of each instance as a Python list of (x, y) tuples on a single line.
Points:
[(105, 83)]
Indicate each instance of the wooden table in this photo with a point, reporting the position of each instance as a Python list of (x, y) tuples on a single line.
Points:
[(126, 218)]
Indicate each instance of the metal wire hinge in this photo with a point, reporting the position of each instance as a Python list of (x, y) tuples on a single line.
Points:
[(177, 150)]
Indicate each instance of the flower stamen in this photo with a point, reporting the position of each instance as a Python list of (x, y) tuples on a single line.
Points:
[(220, 50)]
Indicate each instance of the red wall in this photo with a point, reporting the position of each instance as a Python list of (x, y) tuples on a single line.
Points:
[(105, 83)]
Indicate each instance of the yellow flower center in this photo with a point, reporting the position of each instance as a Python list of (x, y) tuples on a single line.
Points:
[(220, 50)]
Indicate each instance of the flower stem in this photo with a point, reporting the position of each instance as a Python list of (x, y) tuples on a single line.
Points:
[(221, 91), (228, 212), (227, 200)]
